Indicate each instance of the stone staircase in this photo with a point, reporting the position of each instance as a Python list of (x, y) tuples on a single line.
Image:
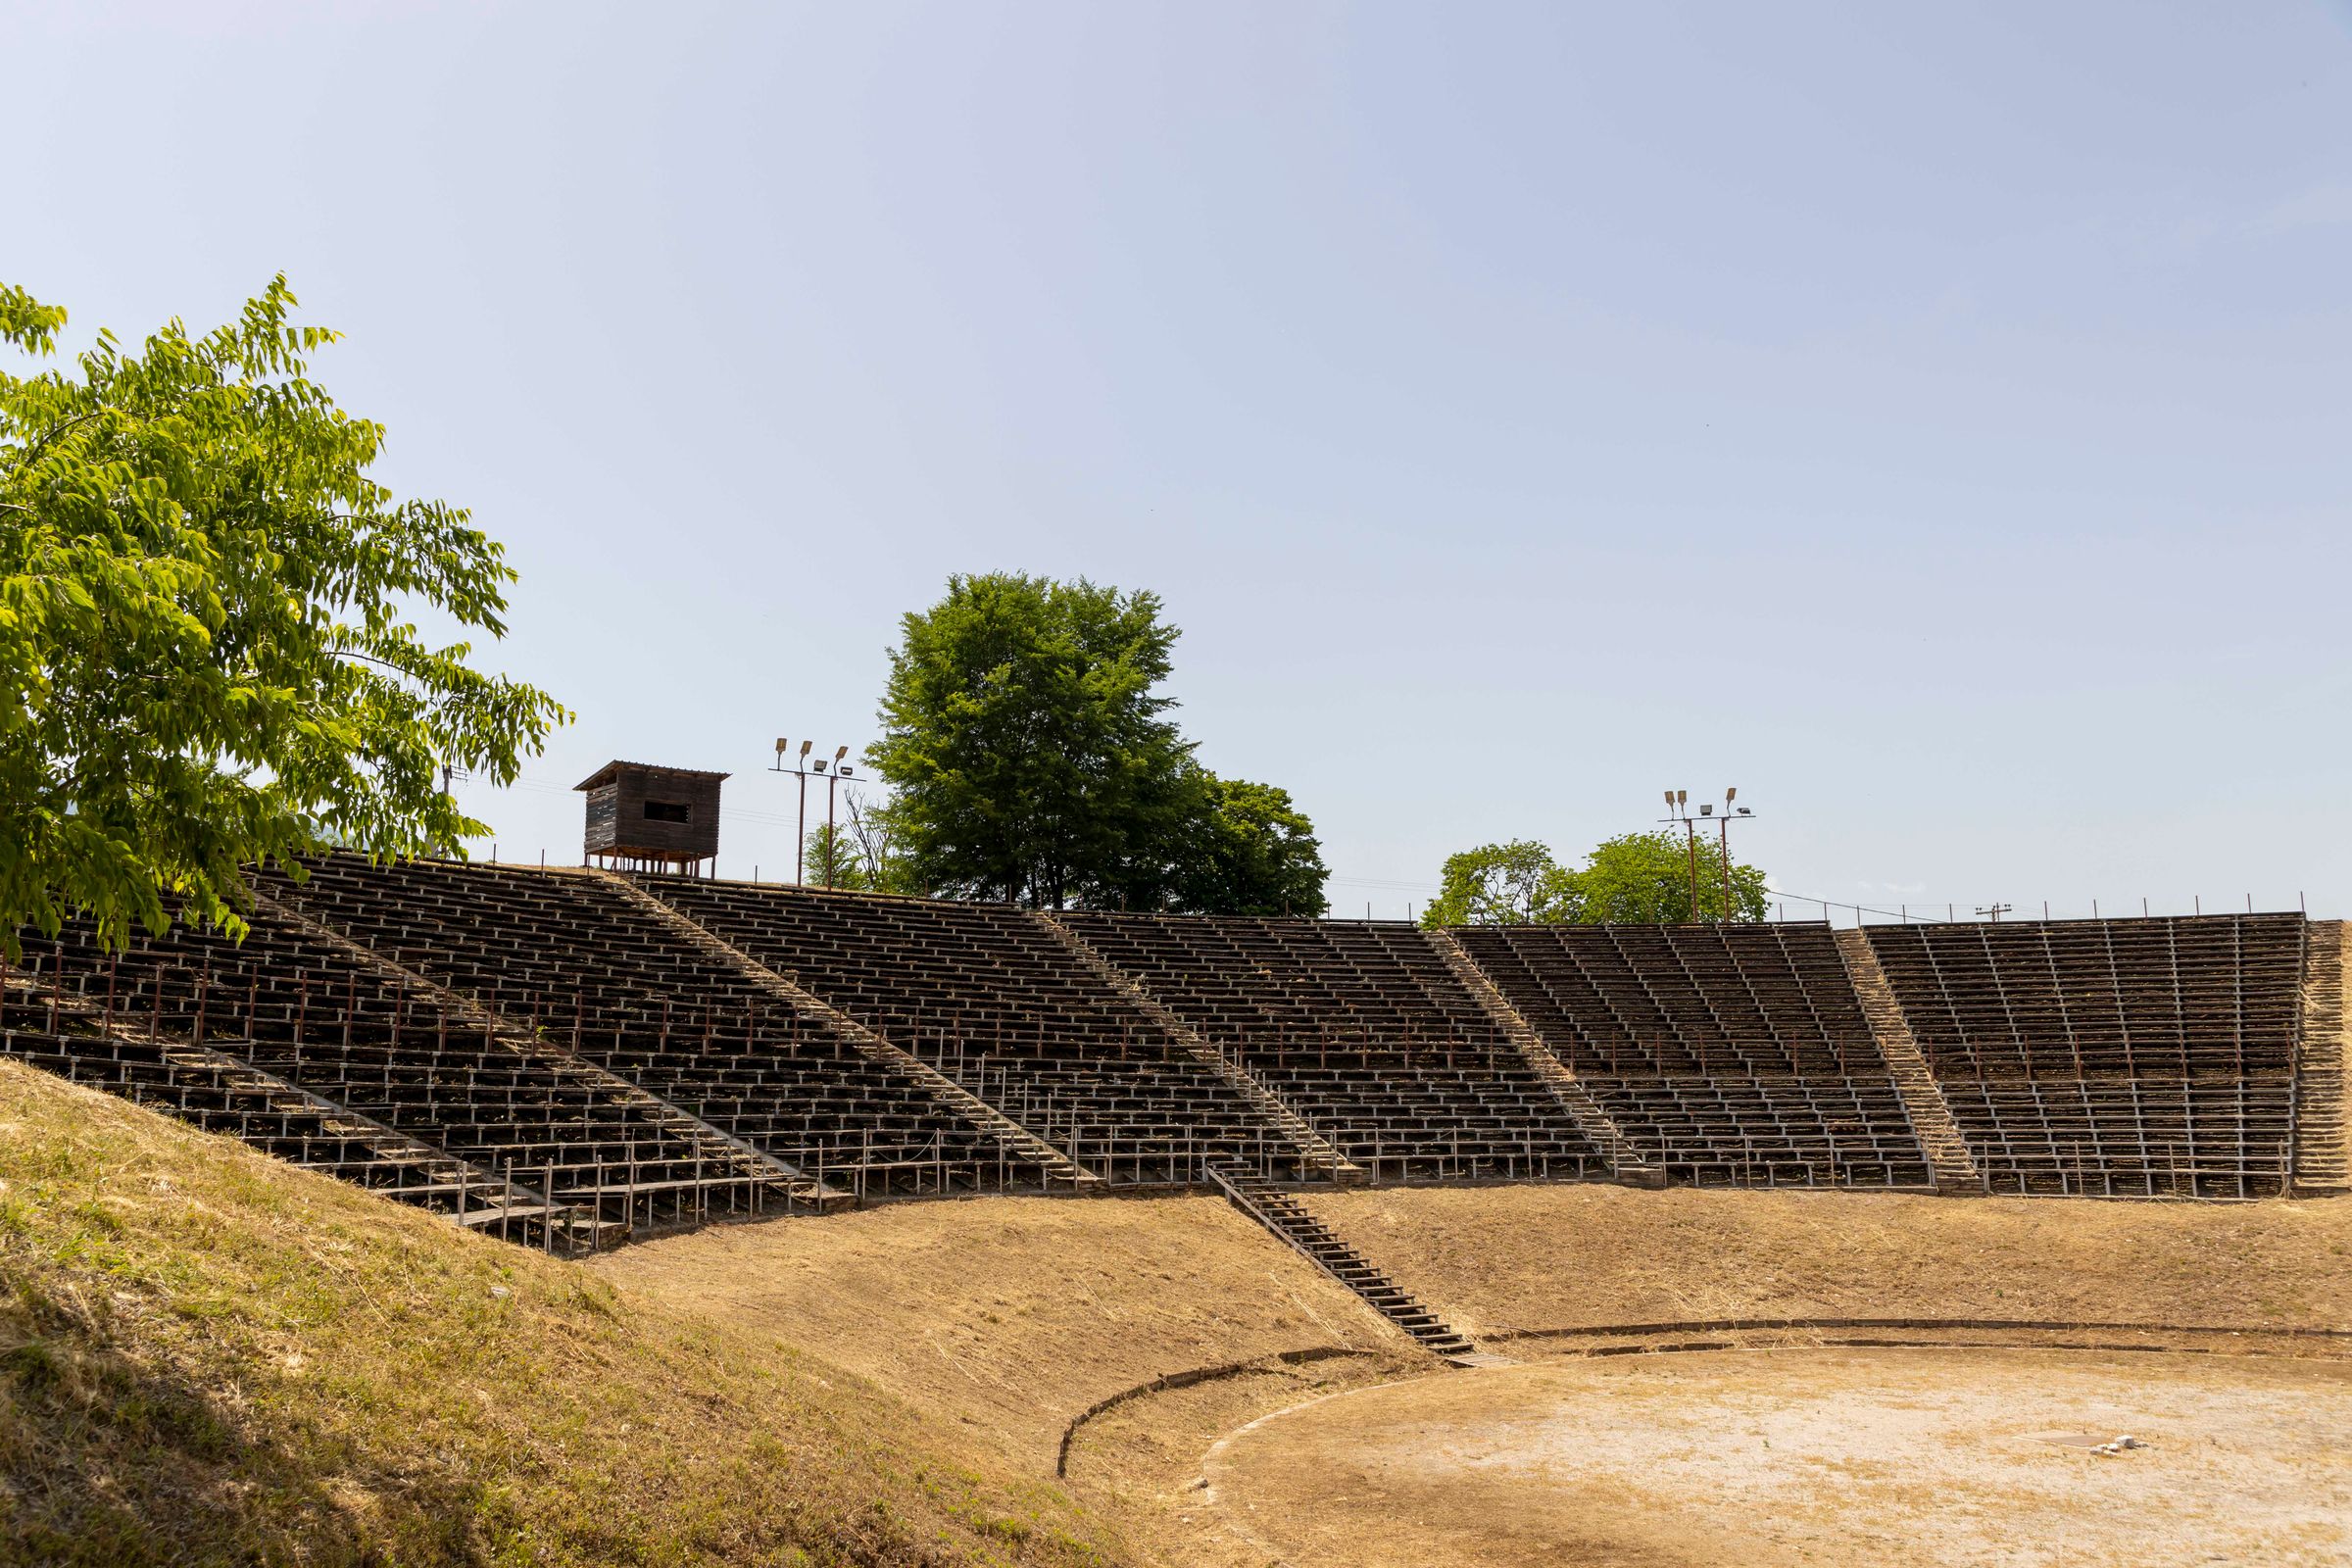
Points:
[(2322, 1137), (1317, 1151), (867, 1042), (1931, 1120), (1282, 1212), (1573, 1098)]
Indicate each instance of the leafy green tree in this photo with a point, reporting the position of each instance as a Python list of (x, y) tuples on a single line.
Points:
[(1634, 879), (1031, 760), (1028, 746), (1497, 884), (858, 852), (206, 651), (1645, 878), (831, 859), (1252, 852)]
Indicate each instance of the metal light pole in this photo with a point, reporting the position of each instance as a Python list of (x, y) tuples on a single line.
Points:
[(802, 769), (832, 851), (1724, 834), (1678, 808), (1677, 802)]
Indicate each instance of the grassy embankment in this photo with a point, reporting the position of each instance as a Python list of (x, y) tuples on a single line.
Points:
[(210, 1356)]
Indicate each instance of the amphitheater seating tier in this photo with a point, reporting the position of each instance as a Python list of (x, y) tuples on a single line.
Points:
[(986, 995), (465, 1038), (2151, 1057), (312, 1016), (31, 1031), (1722, 1052), (1363, 1029), (570, 958)]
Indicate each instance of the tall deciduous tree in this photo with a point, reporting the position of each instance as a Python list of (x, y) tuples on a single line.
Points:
[(1497, 884), (1254, 852), (1634, 879), (858, 853), (1031, 760), (1027, 742), (1647, 877), (206, 651)]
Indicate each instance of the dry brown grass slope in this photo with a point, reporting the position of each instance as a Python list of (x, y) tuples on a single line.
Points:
[(207, 1357), (1496, 1260), (1007, 1316)]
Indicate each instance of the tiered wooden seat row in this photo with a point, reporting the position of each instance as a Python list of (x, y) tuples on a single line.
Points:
[(2151, 1057), (985, 994), (213, 1091), (572, 959), (1364, 1030), (1723, 1053), (308, 1015), (555, 1054)]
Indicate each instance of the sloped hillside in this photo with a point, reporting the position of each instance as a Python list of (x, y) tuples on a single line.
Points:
[(1007, 1316), (207, 1357)]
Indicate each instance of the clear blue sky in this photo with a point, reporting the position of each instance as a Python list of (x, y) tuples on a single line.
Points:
[(1935, 420)]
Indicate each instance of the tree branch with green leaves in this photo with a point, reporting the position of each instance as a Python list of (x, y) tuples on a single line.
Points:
[(207, 656)]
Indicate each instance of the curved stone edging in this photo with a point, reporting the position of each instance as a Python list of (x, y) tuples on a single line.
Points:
[(1186, 1380), (1719, 1325), (1729, 1325)]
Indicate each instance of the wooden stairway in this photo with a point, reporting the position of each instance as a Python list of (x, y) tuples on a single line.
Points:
[(1289, 1219), (1931, 1118), (2322, 1137), (1317, 1151), (1572, 1097)]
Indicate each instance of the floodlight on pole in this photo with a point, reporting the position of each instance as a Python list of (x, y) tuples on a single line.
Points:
[(1723, 835), (803, 765), (1677, 809)]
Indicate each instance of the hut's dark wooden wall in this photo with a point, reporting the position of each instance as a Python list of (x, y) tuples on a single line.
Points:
[(619, 822)]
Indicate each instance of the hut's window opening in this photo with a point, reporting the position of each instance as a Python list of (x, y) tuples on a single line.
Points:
[(668, 811)]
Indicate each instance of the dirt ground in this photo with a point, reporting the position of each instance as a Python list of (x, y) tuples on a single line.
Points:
[(1003, 1318), (1502, 1260), (1772, 1459), (1140, 1463), (1007, 1316)]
